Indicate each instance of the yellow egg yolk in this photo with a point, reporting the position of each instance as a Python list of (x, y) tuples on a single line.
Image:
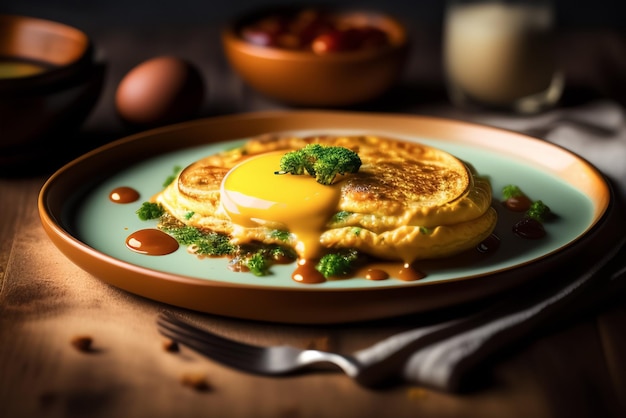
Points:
[(254, 195)]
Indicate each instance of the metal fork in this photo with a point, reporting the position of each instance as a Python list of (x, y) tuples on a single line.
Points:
[(376, 366), (438, 355)]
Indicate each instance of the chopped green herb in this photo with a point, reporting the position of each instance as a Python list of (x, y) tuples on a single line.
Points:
[(207, 243), (172, 176), (259, 258), (425, 231), (511, 191), (150, 210), (281, 235), (185, 235), (341, 216), (189, 215), (278, 253)]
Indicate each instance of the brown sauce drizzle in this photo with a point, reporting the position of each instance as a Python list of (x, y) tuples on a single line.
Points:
[(157, 242), (306, 272), (124, 195), (151, 242)]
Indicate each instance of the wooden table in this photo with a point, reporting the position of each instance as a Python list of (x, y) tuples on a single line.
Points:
[(574, 370)]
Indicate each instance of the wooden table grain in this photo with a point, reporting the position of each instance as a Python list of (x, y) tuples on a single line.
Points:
[(575, 369)]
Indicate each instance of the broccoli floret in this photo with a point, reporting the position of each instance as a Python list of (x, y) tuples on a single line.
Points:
[(150, 210), (258, 264), (337, 264), (538, 211), (323, 162), (293, 163)]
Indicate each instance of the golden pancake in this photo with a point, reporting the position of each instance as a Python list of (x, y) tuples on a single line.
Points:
[(408, 201)]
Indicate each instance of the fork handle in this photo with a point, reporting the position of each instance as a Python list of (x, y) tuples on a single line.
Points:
[(348, 364)]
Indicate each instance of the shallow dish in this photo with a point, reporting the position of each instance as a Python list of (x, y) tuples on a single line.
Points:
[(40, 52), (49, 82), (90, 230), (302, 77)]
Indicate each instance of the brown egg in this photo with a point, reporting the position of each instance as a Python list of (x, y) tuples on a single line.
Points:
[(158, 91)]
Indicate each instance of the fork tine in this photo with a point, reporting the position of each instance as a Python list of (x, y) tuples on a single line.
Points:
[(222, 350), (177, 326), (279, 360)]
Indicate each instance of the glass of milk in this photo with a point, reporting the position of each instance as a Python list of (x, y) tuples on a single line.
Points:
[(499, 54)]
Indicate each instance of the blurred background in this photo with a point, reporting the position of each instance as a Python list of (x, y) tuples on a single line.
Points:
[(127, 32), (577, 13)]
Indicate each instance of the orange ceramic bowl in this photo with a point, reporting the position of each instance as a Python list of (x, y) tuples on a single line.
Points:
[(49, 81), (303, 77)]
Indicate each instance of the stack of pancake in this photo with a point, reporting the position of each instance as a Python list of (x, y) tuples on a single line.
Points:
[(407, 202)]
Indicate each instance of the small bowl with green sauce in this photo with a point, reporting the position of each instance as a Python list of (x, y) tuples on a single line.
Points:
[(49, 82)]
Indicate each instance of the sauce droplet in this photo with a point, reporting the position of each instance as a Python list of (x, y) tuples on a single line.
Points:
[(409, 273), (518, 203), (151, 242), (124, 195), (489, 245), (306, 272), (376, 274), (529, 228)]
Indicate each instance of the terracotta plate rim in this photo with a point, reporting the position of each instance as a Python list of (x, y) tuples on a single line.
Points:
[(379, 302)]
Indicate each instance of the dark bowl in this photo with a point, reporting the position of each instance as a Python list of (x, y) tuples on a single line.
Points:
[(49, 82)]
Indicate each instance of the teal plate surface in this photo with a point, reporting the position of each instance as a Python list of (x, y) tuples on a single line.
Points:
[(80, 214), (105, 225)]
